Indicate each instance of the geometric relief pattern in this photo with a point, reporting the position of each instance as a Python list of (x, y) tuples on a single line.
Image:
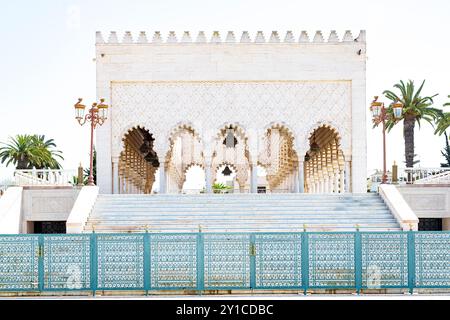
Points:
[(331, 260), (210, 104), (227, 260), (432, 255), (120, 261), (67, 262), (384, 260), (278, 260), (19, 269), (173, 261)]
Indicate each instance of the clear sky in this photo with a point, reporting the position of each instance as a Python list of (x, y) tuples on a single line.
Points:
[(47, 51)]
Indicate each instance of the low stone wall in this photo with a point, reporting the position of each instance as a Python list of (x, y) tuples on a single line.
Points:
[(81, 209), (10, 211), (399, 207), (428, 201), (47, 204)]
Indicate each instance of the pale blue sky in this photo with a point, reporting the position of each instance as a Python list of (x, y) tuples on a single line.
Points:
[(47, 51)]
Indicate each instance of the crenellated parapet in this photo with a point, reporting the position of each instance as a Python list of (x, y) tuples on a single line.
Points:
[(230, 37)]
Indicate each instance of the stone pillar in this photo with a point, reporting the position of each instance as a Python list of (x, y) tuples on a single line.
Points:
[(300, 177), (336, 182), (208, 178), (326, 184), (296, 185), (341, 181), (254, 178), (347, 176), (162, 179), (115, 173)]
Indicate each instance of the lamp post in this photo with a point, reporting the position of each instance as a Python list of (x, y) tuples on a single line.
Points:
[(96, 115), (380, 115)]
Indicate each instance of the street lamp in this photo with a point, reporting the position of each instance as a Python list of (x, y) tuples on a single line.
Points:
[(380, 115), (97, 115)]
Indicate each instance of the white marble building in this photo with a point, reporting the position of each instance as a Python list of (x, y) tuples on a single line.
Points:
[(292, 104)]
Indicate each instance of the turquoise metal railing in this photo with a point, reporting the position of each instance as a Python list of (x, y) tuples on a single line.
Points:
[(213, 261)]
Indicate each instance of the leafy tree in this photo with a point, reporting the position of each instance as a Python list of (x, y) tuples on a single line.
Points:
[(446, 153), (30, 151), (415, 109)]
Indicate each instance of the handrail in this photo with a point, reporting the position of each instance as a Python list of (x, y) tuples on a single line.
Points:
[(427, 175), (44, 177)]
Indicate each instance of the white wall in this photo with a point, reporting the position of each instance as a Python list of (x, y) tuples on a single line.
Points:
[(81, 209), (401, 210), (148, 69), (47, 204), (427, 201), (10, 211)]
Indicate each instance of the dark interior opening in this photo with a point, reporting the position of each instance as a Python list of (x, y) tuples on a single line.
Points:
[(49, 227), (430, 224)]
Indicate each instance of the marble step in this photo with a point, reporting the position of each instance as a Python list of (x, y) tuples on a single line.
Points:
[(284, 215), (240, 213), (180, 229)]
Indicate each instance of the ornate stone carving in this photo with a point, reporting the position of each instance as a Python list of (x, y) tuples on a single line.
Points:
[(207, 105)]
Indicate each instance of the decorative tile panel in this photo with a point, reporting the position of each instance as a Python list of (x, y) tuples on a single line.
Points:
[(19, 257), (331, 260), (384, 260), (432, 259), (278, 260), (120, 261), (227, 260), (67, 262), (173, 261)]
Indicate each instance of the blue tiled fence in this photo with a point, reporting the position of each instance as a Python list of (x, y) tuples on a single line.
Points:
[(205, 261)]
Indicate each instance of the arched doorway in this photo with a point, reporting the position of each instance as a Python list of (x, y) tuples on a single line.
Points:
[(279, 159), (324, 162), (231, 148), (185, 151), (194, 181), (225, 179), (138, 162)]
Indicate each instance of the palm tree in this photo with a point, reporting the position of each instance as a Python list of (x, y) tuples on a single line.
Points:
[(30, 151), (444, 121), (415, 109), (51, 156), (20, 151), (446, 153)]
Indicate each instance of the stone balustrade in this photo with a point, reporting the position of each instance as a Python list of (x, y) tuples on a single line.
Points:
[(426, 175), (46, 177)]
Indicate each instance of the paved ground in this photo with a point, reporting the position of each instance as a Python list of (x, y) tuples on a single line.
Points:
[(247, 297)]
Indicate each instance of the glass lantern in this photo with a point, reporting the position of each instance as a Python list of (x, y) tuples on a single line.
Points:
[(102, 110), (397, 108), (79, 110), (376, 109)]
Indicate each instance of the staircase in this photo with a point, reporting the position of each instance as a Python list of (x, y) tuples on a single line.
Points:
[(240, 213)]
